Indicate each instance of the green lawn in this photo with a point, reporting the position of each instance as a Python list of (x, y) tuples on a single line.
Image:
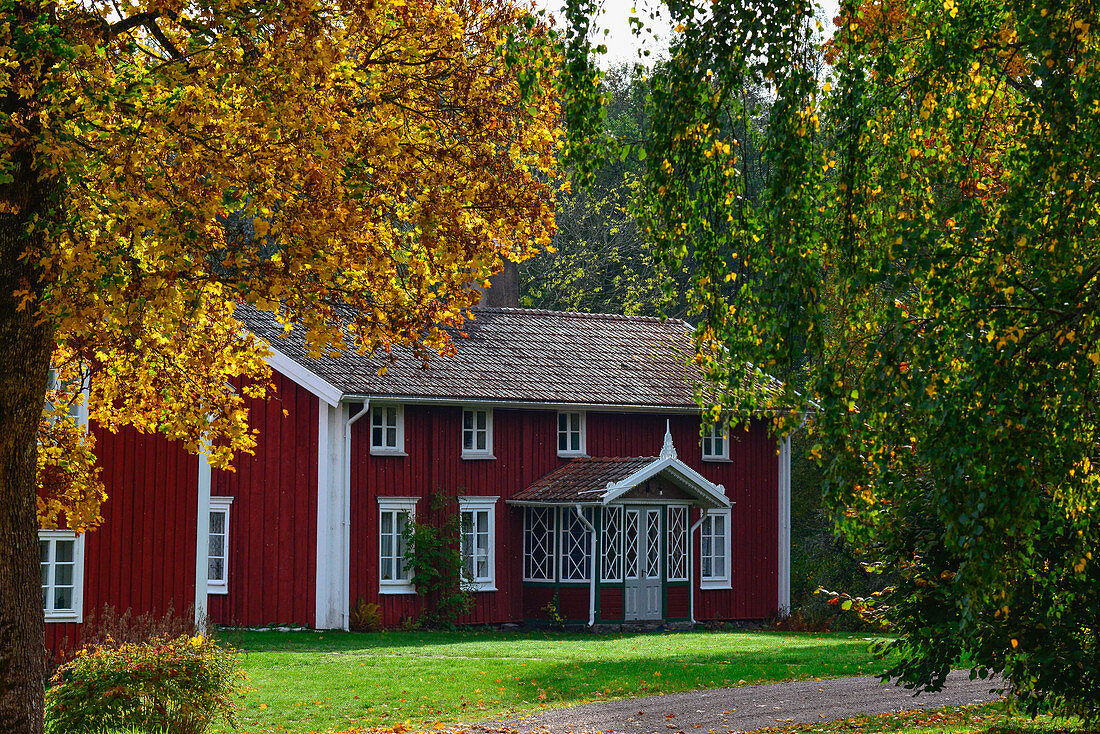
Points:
[(308, 681)]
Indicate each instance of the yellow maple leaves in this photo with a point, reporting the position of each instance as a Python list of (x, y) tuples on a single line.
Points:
[(375, 155)]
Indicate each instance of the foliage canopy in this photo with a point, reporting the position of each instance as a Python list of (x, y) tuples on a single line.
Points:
[(924, 266)]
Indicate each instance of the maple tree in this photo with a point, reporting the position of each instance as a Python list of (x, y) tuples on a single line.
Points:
[(925, 265), (162, 162)]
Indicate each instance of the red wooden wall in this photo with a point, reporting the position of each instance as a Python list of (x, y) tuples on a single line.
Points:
[(524, 442), (273, 518), (142, 556)]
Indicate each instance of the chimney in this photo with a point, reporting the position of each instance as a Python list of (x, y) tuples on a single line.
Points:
[(503, 290)]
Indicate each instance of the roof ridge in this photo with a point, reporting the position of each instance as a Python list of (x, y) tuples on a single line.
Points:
[(576, 314)]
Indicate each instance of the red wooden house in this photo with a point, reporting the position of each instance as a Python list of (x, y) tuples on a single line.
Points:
[(569, 443)]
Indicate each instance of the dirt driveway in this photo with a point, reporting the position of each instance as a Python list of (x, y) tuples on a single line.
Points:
[(746, 708)]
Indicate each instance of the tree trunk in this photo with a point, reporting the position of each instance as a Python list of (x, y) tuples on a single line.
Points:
[(25, 349)]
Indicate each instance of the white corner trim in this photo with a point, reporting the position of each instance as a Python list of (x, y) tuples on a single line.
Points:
[(304, 377), (202, 540), (784, 584)]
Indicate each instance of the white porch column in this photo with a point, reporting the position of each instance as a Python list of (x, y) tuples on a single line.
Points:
[(202, 540)]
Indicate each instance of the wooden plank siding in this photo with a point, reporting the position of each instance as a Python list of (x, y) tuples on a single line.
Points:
[(273, 518), (524, 443), (142, 556)]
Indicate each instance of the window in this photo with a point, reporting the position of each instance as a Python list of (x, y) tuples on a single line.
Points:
[(612, 544), (478, 541), (538, 543), (387, 429), (395, 513), (677, 543), (61, 559), (716, 443), (217, 560), (571, 434), (576, 546), (477, 433), (715, 550), (78, 406)]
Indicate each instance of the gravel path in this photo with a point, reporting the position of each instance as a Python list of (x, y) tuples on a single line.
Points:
[(747, 708)]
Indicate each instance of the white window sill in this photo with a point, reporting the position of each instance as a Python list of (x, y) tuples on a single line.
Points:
[(477, 457), (572, 455), (219, 589), (717, 459), (478, 586), (715, 585), (397, 589), (387, 452), (63, 617)]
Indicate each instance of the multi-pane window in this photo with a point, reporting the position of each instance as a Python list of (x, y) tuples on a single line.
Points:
[(576, 546), (714, 548), (477, 515), (677, 543), (61, 560), (395, 514), (630, 545), (716, 442), (538, 543), (217, 560), (571, 434), (653, 545), (612, 544), (76, 392), (477, 433), (387, 431)]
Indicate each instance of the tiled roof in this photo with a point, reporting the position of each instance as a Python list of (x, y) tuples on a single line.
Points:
[(518, 355), (582, 480)]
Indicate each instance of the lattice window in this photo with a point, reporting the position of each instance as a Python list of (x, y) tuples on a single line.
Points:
[(630, 544), (653, 545), (612, 544), (217, 561), (677, 543), (576, 547), (538, 544)]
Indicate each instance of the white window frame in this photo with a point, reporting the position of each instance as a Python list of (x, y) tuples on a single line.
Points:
[(583, 429), (550, 562), (383, 450), (678, 544), (476, 453), (219, 586), (716, 431), (395, 505), (716, 581), (568, 521), (473, 505), (76, 614), (80, 416), (611, 570)]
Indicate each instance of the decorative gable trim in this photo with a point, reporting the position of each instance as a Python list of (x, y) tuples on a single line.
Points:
[(680, 473), (283, 364)]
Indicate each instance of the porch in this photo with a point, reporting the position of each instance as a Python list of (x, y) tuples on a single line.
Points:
[(622, 541)]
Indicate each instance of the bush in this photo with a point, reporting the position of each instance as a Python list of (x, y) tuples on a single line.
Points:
[(365, 617), (179, 685)]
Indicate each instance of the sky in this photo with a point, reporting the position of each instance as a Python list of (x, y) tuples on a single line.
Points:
[(622, 45)]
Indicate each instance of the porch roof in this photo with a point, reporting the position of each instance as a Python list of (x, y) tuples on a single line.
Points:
[(600, 481)]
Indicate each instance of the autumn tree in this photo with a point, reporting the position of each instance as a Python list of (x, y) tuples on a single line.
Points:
[(927, 255), (162, 162)]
